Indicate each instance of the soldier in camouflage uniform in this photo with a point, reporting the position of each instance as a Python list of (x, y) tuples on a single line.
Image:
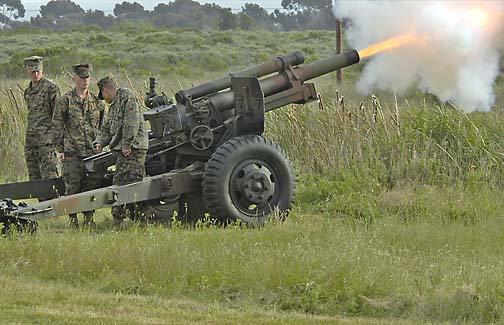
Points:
[(40, 97), (76, 120), (124, 131)]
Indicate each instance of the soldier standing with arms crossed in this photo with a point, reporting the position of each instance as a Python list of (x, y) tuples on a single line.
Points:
[(40, 97), (77, 118), (124, 132)]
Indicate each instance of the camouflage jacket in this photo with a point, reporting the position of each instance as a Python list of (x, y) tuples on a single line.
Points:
[(76, 122), (124, 125), (40, 100)]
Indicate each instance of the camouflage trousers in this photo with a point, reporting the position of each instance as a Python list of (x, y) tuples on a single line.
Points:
[(41, 161), (78, 180), (128, 170)]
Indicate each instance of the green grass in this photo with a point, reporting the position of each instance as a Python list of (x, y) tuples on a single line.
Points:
[(429, 256), (27, 301), (398, 215)]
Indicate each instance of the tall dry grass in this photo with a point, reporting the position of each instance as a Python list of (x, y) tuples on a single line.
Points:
[(13, 114), (396, 140)]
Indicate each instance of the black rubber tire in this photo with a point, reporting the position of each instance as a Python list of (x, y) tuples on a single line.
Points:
[(160, 211), (247, 178), (191, 208)]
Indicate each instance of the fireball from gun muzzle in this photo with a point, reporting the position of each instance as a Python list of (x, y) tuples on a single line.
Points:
[(448, 48)]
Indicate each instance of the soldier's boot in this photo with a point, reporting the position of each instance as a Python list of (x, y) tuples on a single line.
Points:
[(118, 214), (72, 220), (88, 219)]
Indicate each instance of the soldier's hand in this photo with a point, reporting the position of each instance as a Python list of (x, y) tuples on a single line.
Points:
[(61, 155), (97, 148), (126, 152)]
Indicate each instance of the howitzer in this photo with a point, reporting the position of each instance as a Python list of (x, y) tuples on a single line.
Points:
[(206, 150)]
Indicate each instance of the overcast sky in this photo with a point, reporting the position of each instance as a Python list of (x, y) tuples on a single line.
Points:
[(32, 6)]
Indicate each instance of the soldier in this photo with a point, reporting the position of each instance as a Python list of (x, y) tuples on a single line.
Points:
[(40, 97), (124, 132), (76, 121)]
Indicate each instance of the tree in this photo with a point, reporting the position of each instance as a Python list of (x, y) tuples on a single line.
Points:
[(60, 8), (285, 21), (128, 10), (306, 5), (306, 14), (255, 11), (11, 9), (227, 20), (258, 14), (245, 22), (177, 7), (187, 13), (98, 18)]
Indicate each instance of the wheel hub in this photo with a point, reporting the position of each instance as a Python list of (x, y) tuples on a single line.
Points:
[(257, 186)]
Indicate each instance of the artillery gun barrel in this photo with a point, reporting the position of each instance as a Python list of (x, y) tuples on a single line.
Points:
[(319, 68), (260, 70), (275, 84)]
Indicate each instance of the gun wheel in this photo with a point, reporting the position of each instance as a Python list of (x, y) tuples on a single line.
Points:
[(161, 211), (247, 178), (201, 137)]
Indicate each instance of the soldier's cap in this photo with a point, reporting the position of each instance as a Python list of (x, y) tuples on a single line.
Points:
[(103, 82), (33, 63), (82, 70)]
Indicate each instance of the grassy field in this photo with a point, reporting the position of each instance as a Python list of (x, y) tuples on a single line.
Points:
[(398, 219)]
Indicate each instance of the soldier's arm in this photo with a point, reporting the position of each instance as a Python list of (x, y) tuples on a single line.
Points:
[(131, 121), (103, 138), (58, 123), (54, 93), (102, 108)]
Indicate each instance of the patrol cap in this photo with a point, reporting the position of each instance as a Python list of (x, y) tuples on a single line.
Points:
[(81, 70), (33, 63), (103, 82)]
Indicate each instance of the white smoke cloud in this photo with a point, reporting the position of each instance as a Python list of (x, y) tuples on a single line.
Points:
[(457, 58)]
